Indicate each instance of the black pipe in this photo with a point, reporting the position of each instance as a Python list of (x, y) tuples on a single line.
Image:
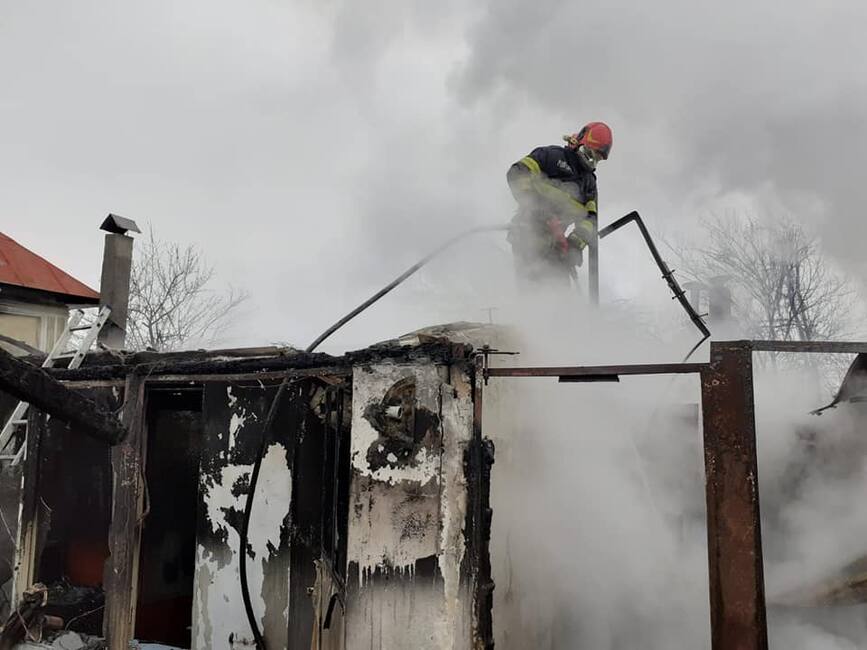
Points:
[(667, 274), (398, 280), (248, 510)]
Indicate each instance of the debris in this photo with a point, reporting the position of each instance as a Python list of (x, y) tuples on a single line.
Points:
[(25, 623), (80, 606), (854, 386), (69, 641)]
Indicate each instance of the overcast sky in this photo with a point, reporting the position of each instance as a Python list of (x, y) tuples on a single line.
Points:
[(315, 149)]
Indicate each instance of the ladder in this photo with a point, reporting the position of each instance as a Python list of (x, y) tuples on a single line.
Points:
[(18, 417)]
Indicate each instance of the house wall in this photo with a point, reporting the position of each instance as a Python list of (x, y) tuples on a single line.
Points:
[(37, 325), (408, 585), (360, 532), (234, 417)]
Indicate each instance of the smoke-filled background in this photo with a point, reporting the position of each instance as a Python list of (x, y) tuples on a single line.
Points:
[(313, 150), (599, 537)]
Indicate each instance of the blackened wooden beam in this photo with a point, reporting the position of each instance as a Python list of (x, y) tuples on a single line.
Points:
[(127, 518), (32, 384), (205, 362)]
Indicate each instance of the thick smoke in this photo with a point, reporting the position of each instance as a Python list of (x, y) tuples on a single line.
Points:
[(599, 535), (315, 148), (598, 538)]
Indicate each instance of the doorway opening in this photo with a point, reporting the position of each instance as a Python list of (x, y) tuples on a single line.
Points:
[(168, 544)]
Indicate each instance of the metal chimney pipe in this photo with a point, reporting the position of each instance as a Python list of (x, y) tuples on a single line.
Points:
[(114, 284)]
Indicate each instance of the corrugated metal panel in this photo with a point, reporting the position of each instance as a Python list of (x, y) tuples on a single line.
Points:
[(24, 268)]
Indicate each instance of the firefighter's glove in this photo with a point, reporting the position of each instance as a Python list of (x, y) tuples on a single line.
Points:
[(558, 237), (576, 241)]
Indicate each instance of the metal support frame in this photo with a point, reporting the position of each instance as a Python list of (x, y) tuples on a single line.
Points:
[(593, 265), (735, 562), (734, 536), (594, 372), (667, 273)]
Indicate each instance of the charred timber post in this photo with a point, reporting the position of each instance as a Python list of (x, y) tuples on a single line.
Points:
[(121, 571), (737, 592), (35, 386), (477, 468)]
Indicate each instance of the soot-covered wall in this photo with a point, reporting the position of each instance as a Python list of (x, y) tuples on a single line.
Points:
[(409, 580)]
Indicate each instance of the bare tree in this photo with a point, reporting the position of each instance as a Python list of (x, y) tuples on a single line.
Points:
[(172, 303), (783, 287)]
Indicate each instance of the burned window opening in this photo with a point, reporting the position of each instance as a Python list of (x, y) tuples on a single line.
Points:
[(167, 554), (75, 504)]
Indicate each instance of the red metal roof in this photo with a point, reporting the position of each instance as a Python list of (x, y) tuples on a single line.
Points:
[(24, 268)]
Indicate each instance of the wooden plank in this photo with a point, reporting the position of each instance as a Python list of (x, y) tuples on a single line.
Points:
[(32, 384), (124, 537), (26, 549)]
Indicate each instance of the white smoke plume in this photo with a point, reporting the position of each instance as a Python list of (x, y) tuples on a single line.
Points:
[(599, 535)]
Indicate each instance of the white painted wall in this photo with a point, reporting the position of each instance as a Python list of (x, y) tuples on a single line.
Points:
[(37, 325)]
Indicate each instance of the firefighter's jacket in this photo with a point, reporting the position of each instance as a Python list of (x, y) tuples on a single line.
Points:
[(553, 182)]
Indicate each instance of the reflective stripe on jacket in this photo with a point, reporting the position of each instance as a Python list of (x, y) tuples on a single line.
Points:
[(553, 182)]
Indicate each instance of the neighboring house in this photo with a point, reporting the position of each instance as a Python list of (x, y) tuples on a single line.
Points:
[(35, 297)]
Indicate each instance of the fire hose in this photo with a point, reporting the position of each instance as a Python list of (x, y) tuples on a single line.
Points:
[(258, 638), (667, 275), (398, 280)]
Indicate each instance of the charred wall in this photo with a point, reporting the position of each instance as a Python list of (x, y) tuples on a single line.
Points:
[(234, 416), (369, 524), (74, 478), (295, 497), (409, 584)]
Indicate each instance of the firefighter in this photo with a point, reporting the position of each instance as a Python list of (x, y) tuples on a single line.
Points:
[(555, 188)]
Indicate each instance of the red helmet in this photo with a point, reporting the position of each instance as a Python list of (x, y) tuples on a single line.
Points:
[(596, 136)]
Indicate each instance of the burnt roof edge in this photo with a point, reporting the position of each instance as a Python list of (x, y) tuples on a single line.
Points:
[(204, 362)]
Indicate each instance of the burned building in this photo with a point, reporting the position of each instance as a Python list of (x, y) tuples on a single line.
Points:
[(369, 521), (368, 526)]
